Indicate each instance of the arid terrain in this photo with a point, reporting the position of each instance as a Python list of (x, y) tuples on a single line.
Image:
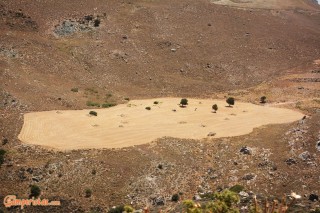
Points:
[(66, 58)]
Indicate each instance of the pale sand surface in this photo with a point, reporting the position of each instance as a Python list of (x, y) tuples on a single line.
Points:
[(131, 124)]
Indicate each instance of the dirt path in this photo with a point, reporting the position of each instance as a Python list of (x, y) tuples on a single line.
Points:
[(131, 124)]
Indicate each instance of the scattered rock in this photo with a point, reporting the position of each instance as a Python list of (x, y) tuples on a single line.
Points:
[(313, 197), (211, 134), (305, 156), (246, 150), (291, 161), (250, 176), (196, 197), (318, 145)]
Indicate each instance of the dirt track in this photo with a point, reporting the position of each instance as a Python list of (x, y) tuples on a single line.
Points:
[(131, 124)]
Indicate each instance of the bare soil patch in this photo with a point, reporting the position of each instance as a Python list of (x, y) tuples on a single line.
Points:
[(131, 124)]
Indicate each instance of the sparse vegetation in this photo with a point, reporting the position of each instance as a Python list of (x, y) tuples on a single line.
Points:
[(230, 101), (183, 102), (223, 202), (35, 191), (148, 108), (117, 209), (90, 103), (236, 188), (263, 99), (88, 193), (94, 113), (2, 154), (215, 107), (74, 89), (107, 105), (127, 99)]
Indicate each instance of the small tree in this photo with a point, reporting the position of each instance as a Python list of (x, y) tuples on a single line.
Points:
[(230, 101), (215, 107), (184, 102), (263, 99), (35, 191)]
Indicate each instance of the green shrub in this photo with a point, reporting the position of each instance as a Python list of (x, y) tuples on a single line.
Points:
[(127, 99), (75, 90), (230, 101), (175, 198), (107, 105), (88, 192), (35, 191), (90, 103), (148, 108), (118, 209), (236, 188), (184, 102), (215, 107), (94, 113)]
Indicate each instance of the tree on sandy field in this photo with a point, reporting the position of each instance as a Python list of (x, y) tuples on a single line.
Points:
[(183, 102), (215, 107), (230, 101)]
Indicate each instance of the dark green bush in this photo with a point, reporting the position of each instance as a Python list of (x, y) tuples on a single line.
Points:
[(184, 102), (94, 113), (263, 99), (175, 198), (230, 101), (148, 108), (35, 191), (156, 102)]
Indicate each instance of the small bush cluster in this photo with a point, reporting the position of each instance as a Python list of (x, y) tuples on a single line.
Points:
[(88, 192), (94, 113), (90, 103), (107, 105), (35, 191), (75, 90)]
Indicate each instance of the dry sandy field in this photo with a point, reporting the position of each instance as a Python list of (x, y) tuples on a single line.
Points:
[(131, 124)]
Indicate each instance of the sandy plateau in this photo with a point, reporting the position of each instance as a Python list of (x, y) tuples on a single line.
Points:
[(131, 124)]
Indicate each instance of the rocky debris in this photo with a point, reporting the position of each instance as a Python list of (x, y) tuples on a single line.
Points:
[(291, 161), (9, 52), (118, 54), (246, 150), (315, 71), (305, 156), (318, 145), (211, 134), (313, 197), (157, 200), (70, 27), (250, 176), (197, 197), (243, 194), (17, 20)]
